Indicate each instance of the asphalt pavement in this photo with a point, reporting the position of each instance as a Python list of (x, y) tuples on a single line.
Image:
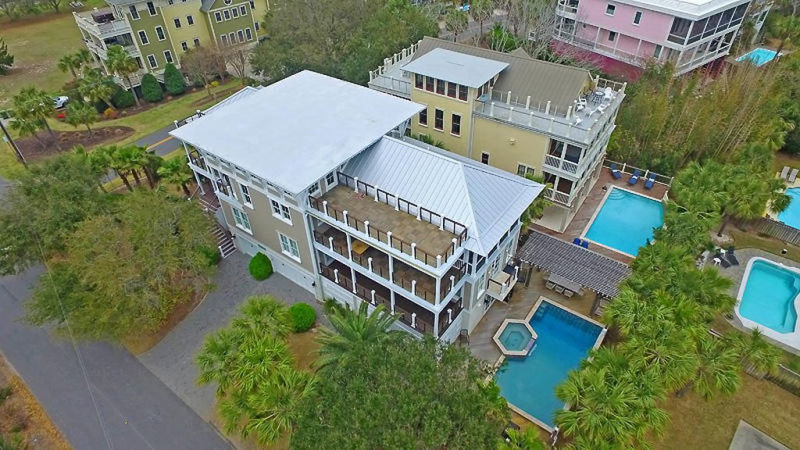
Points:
[(160, 142)]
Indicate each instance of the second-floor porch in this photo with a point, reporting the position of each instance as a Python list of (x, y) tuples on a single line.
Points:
[(101, 23)]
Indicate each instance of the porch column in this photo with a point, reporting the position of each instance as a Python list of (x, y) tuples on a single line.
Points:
[(391, 299), (436, 325), (438, 290), (391, 269)]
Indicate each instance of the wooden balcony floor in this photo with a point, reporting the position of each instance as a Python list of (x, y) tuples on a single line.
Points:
[(406, 227)]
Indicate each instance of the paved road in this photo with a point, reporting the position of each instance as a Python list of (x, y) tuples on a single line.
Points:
[(138, 410), (160, 141)]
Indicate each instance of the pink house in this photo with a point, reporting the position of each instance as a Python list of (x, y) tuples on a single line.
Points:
[(689, 33)]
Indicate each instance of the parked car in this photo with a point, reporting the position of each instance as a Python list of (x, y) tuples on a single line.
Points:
[(60, 101)]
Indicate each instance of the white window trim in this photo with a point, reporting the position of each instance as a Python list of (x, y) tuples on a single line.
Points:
[(641, 15), (242, 37), (488, 157), (248, 34), (237, 219), (159, 27), (227, 16), (133, 8), (288, 252), (614, 11), (235, 13), (146, 37), (242, 10), (283, 211), (527, 168), (167, 60), (218, 16), (427, 118), (184, 46), (189, 22), (177, 22), (245, 189), (482, 285), (154, 60), (154, 9), (452, 122), (434, 119)]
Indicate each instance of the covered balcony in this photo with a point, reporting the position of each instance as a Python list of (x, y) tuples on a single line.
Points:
[(101, 23), (390, 220), (502, 283)]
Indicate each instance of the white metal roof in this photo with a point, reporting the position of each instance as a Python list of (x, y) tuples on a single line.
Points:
[(293, 132), (692, 9), (461, 68), (486, 200)]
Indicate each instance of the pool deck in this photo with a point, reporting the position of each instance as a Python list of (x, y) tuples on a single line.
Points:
[(736, 274), (591, 204)]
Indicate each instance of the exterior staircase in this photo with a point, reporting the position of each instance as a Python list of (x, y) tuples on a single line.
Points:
[(224, 241)]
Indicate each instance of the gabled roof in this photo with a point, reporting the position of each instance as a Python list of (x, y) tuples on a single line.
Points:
[(461, 68), (486, 200), (295, 131), (543, 81)]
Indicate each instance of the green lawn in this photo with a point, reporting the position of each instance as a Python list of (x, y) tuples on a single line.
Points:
[(37, 44), (744, 239)]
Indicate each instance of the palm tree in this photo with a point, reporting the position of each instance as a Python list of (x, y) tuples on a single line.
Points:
[(536, 209), (35, 106), (352, 329), (788, 28), (666, 349), (456, 21), (481, 11), (527, 439), (94, 86), (119, 61), (117, 162), (98, 161), (756, 353), (68, 63), (717, 369), (264, 314), (176, 171)]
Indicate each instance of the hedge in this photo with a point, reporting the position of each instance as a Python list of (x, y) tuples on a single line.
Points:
[(123, 99), (260, 267), (151, 90), (173, 80), (302, 316)]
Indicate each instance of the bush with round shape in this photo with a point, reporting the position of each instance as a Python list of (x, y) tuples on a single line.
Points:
[(123, 99), (302, 316), (174, 83), (260, 267), (151, 90)]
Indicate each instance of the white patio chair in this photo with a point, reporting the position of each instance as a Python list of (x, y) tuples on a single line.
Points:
[(784, 172), (792, 176)]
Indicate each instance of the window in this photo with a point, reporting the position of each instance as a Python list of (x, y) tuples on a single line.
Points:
[(657, 52), (612, 36), (243, 10), (481, 283), (252, 4), (462, 92), (190, 20), (455, 126), (610, 9), (248, 33), (281, 211), (246, 194), (227, 14), (151, 59), (232, 37), (196, 42), (330, 179), (257, 25), (451, 89), (235, 12), (134, 12), (171, 2), (168, 56), (523, 170), (224, 39), (241, 219), (423, 117), (314, 188), (429, 84), (289, 246), (240, 35), (438, 121), (184, 46), (218, 16), (484, 157), (419, 80), (160, 33), (440, 87), (177, 21), (637, 18), (151, 8), (143, 37)]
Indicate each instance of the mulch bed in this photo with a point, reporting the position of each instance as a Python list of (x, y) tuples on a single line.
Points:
[(33, 150)]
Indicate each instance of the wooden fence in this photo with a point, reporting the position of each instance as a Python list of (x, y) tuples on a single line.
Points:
[(776, 229), (786, 378)]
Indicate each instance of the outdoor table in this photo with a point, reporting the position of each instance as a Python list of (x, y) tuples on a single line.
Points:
[(564, 282)]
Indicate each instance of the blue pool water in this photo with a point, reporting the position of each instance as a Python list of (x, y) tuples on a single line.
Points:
[(515, 336), (791, 215), (626, 221), (768, 297), (759, 56), (529, 383)]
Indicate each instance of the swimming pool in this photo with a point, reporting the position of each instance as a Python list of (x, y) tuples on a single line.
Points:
[(758, 56), (791, 215), (768, 300), (625, 221), (564, 340)]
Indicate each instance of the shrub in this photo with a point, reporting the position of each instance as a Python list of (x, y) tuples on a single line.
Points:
[(109, 114), (212, 254), (173, 80), (151, 90), (302, 316), (123, 99), (260, 267)]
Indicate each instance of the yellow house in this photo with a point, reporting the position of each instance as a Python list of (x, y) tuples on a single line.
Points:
[(510, 111)]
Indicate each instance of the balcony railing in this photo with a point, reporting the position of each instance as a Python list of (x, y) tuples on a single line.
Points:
[(113, 27), (561, 164), (449, 315), (197, 160)]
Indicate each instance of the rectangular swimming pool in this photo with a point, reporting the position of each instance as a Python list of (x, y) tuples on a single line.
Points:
[(564, 340), (758, 56), (625, 221), (768, 300)]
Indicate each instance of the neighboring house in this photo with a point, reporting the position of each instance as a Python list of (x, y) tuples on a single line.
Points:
[(510, 111), (687, 33), (158, 32), (308, 172)]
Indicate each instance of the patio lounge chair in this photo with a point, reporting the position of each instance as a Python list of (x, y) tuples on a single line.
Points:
[(568, 293), (549, 285), (724, 262), (576, 241), (635, 177), (559, 289), (651, 179), (792, 176), (615, 171), (784, 172), (732, 257), (585, 244)]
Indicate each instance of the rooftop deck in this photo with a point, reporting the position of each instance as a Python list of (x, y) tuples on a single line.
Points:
[(429, 240)]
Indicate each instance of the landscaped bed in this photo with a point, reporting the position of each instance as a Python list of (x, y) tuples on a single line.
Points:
[(33, 149)]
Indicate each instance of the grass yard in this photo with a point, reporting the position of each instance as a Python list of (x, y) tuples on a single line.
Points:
[(745, 239), (710, 425), (37, 44)]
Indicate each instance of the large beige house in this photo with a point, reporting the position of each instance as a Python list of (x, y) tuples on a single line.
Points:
[(509, 111), (316, 173)]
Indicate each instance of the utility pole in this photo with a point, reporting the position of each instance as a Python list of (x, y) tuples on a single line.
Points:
[(13, 144)]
